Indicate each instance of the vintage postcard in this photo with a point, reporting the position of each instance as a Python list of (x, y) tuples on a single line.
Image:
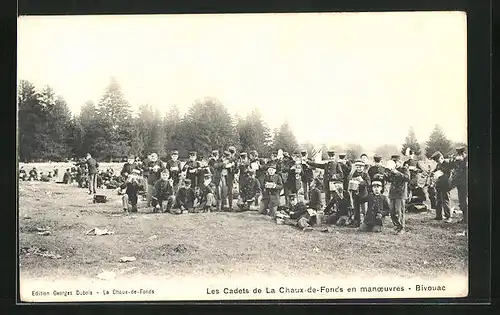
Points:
[(242, 157)]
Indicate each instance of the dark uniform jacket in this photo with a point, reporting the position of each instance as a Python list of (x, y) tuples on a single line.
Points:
[(415, 171), (460, 175), (376, 205), (399, 183), (346, 170), (215, 165), (315, 199), (343, 204), (133, 187), (272, 194), (251, 187), (374, 170), (185, 197), (364, 184), (298, 211), (333, 171), (92, 166), (307, 174), (162, 189), (205, 190), (192, 169), (67, 178), (443, 183), (174, 168), (151, 174), (292, 182), (127, 168)]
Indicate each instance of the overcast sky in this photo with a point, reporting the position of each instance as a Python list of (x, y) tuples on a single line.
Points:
[(337, 78)]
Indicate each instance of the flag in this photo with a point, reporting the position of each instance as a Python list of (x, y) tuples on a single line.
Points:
[(317, 155)]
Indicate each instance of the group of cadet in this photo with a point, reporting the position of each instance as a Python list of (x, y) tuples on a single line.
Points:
[(352, 193)]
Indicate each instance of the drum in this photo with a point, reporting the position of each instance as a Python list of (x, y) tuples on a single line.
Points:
[(353, 185), (269, 185)]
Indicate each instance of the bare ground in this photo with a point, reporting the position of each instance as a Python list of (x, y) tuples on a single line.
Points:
[(217, 244)]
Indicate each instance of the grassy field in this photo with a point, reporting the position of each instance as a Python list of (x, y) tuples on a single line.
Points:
[(215, 243)]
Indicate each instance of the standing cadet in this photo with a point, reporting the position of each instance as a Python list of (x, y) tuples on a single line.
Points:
[(153, 168), (333, 174), (231, 172), (377, 168), (415, 173), (461, 180), (306, 175), (443, 186), (192, 168), (259, 166), (360, 194), (273, 183), (398, 193), (366, 161), (163, 193), (228, 170), (346, 169), (92, 167), (174, 168), (215, 165)]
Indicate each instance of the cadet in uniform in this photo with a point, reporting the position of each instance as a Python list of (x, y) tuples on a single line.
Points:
[(192, 168), (376, 168), (333, 173), (273, 184), (163, 193), (207, 195), (174, 169), (185, 196), (346, 169), (398, 193), (128, 167), (259, 165), (443, 186), (378, 207), (306, 175), (359, 196), (153, 168), (415, 172), (461, 180)]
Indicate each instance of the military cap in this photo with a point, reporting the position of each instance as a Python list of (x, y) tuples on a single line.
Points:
[(436, 155), (395, 157), (253, 152), (342, 155), (303, 151), (376, 183), (227, 153), (187, 181), (363, 154), (231, 149), (460, 149), (378, 177), (271, 165), (359, 162), (330, 152), (377, 158), (175, 152), (192, 153), (242, 154), (215, 151)]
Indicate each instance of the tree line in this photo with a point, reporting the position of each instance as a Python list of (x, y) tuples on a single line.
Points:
[(48, 131)]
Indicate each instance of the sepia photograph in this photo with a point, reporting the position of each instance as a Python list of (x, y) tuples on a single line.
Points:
[(242, 157)]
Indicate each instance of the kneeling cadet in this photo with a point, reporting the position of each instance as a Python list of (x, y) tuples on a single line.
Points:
[(163, 193), (135, 182), (378, 207)]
